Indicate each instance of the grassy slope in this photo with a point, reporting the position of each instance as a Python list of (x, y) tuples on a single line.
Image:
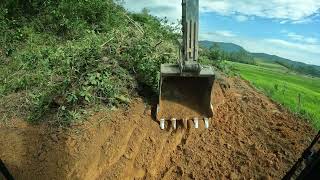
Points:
[(60, 57), (284, 87)]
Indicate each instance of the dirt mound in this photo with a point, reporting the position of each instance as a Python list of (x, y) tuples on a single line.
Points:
[(250, 137)]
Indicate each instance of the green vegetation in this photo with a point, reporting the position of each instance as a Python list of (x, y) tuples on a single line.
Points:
[(217, 53), (236, 53), (299, 67), (62, 56), (285, 87), (286, 82)]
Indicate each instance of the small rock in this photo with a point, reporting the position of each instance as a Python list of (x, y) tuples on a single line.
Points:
[(191, 176), (127, 156), (180, 170), (42, 156), (188, 152), (123, 99), (276, 112), (73, 143), (286, 153), (60, 163), (266, 177), (233, 176), (54, 137), (203, 163), (86, 138), (270, 163), (148, 112), (242, 169), (228, 146), (254, 147), (245, 98), (152, 139)]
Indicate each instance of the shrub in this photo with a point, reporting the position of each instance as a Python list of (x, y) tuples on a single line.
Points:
[(66, 55)]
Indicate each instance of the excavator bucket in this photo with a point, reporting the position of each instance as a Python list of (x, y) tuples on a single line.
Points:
[(185, 87), (185, 96)]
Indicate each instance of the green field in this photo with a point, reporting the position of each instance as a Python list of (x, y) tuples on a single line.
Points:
[(285, 87)]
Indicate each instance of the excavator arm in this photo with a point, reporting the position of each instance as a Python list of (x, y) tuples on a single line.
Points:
[(190, 29), (185, 88)]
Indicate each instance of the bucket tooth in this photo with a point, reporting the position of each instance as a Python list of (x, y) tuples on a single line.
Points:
[(206, 123), (162, 124), (174, 123), (196, 122)]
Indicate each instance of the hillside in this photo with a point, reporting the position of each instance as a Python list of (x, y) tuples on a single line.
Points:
[(299, 67), (227, 47), (59, 57), (300, 94), (270, 58), (225, 51), (250, 137)]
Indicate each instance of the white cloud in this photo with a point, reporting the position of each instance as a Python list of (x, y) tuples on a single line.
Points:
[(303, 21), (295, 11), (283, 21), (311, 40), (295, 36), (298, 46), (221, 7), (225, 33), (296, 51), (241, 18), (300, 38)]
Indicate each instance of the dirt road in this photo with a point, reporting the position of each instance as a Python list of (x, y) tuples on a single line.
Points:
[(250, 137)]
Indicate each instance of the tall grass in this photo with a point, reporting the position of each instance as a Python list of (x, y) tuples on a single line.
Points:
[(285, 87)]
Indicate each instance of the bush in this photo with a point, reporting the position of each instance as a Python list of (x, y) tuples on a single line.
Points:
[(66, 55)]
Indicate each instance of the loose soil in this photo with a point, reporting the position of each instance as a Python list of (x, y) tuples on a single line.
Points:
[(249, 137), (185, 98)]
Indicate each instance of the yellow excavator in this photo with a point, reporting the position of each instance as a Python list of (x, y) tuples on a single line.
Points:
[(185, 87)]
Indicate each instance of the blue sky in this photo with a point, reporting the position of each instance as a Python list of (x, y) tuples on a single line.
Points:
[(287, 28)]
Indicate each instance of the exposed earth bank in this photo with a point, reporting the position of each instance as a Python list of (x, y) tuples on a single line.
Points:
[(250, 137)]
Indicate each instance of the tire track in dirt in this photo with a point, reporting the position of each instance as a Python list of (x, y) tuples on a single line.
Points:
[(114, 149), (131, 171), (174, 139), (123, 167)]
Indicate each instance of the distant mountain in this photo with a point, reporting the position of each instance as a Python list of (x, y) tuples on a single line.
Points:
[(227, 47), (300, 67), (230, 51), (271, 58)]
